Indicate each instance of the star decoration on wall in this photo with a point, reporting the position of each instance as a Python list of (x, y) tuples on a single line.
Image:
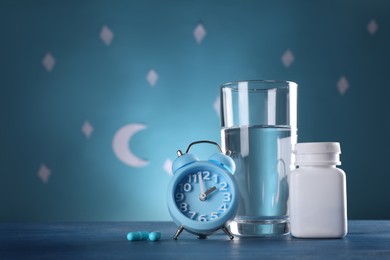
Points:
[(106, 35), (49, 62), (152, 77), (44, 173), (287, 58), (199, 33), (87, 129), (372, 27), (342, 85)]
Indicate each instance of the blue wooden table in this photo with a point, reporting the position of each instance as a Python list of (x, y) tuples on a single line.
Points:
[(107, 240)]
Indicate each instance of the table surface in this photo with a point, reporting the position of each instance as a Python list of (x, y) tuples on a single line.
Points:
[(107, 240)]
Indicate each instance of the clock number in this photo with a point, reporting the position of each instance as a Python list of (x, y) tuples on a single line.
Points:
[(183, 207), (223, 186), (215, 177), (223, 207), (206, 175), (185, 187), (193, 214), (202, 218), (214, 215), (227, 196), (179, 196), (193, 176)]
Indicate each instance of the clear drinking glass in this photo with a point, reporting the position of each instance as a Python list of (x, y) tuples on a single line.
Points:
[(259, 127)]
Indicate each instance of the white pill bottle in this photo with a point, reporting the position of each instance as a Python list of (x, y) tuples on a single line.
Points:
[(318, 200)]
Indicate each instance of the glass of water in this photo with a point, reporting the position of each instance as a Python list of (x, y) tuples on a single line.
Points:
[(259, 127)]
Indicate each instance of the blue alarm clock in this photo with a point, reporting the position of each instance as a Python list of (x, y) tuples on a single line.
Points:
[(203, 196)]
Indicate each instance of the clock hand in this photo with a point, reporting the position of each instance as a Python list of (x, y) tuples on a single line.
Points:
[(202, 195), (201, 183), (210, 190)]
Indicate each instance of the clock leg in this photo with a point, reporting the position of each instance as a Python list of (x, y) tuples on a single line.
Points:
[(227, 232), (178, 231), (202, 236)]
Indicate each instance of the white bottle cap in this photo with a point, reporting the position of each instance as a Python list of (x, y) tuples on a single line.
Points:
[(317, 154)]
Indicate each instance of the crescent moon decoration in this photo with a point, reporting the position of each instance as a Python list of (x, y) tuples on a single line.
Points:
[(217, 106), (168, 167), (120, 145)]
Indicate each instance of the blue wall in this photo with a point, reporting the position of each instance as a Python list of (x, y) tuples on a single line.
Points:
[(61, 70)]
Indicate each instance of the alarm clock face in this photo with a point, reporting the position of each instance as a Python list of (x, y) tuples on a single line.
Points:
[(204, 195)]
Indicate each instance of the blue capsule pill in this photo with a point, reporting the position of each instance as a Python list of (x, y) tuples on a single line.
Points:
[(154, 236), (138, 235)]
